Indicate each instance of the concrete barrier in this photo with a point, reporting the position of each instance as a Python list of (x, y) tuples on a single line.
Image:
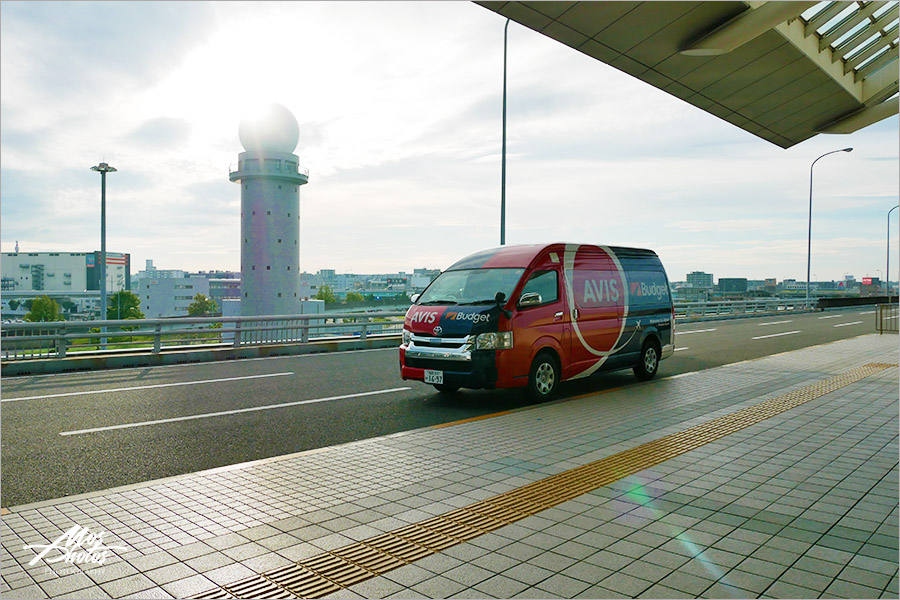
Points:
[(46, 366)]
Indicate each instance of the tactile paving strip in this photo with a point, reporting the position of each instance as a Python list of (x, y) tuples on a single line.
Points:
[(332, 571)]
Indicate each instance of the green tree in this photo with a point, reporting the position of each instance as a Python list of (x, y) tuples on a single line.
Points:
[(43, 309), (123, 305), (14, 304), (355, 297), (325, 294), (67, 305), (202, 306)]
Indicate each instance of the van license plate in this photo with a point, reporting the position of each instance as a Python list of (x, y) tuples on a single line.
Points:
[(434, 376)]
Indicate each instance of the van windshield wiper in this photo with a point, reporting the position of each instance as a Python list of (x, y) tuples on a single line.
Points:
[(485, 301), (441, 302)]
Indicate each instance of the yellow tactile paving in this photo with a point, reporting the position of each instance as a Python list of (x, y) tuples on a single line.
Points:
[(331, 571)]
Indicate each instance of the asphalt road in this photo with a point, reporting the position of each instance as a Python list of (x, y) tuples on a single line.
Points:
[(75, 433)]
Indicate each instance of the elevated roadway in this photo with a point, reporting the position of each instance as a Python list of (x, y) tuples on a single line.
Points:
[(75, 433)]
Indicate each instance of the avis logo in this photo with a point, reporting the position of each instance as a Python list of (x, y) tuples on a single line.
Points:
[(423, 316)]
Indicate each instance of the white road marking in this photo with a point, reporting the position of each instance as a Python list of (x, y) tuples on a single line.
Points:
[(694, 331), (845, 324), (680, 349), (146, 387), (231, 412), (832, 317), (868, 312), (762, 337), (776, 322)]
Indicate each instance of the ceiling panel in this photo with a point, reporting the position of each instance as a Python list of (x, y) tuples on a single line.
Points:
[(780, 83)]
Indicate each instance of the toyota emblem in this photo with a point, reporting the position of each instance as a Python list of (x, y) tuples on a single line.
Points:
[(438, 330)]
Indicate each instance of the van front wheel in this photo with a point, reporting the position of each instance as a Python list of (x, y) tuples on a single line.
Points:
[(544, 377), (649, 363)]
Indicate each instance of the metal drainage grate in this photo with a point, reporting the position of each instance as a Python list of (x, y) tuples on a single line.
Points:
[(332, 571)]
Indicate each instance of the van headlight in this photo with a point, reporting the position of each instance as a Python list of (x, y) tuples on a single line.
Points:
[(502, 340), (406, 337)]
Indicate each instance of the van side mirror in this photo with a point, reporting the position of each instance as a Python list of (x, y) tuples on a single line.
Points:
[(500, 298), (530, 299), (414, 298)]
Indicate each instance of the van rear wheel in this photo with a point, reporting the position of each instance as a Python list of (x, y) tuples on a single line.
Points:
[(649, 362), (543, 378)]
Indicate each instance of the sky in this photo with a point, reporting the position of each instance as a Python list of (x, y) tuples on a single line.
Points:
[(399, 107)]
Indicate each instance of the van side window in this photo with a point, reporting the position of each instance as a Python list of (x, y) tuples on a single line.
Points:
[(544, 283)]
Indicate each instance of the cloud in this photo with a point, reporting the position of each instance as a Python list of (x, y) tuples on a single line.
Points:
[(160, 132)]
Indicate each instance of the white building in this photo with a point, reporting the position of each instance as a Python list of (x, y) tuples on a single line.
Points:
[(63, 271), (170, 296)]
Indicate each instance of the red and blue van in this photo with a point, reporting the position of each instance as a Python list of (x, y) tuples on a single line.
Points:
[(534, 315)]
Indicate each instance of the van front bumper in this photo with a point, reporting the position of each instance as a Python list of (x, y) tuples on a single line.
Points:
[(475, 369)]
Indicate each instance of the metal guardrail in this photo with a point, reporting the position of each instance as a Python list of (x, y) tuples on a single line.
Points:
[(57, 339), (696, 310), (887, 318), (25, 341)]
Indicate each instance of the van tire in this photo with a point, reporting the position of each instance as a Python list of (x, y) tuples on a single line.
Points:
[(446, 388), (543, 379), (649, 361)]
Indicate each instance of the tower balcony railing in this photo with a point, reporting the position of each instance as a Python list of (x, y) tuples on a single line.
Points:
[(250, 167)]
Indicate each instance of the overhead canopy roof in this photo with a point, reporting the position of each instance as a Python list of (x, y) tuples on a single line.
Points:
[(783, 71)]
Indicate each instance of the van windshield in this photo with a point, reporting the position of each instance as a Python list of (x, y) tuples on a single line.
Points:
[(471, 286)]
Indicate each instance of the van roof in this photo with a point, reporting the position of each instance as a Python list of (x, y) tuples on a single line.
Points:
[(522, 256)]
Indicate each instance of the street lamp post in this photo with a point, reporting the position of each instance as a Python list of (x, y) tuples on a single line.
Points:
[(103, 169), (809, 235), (887, 266), (503, 150)]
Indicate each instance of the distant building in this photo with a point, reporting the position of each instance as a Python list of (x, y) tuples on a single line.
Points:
[(64, 271), (221, 290), (699, 279), (170, 296), (733, 285)]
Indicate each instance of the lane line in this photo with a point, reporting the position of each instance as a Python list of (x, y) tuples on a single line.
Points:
[(694, 331), (680, 349), (832, 317), (762, 337), (868, 312), (147, 387), (776, 322), (845, 324), (230, 412)]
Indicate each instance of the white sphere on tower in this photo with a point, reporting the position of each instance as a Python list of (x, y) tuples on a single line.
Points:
[(273, 128)]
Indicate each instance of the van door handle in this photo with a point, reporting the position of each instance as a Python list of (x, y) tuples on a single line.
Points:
[(558, 316), (575, 313)]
